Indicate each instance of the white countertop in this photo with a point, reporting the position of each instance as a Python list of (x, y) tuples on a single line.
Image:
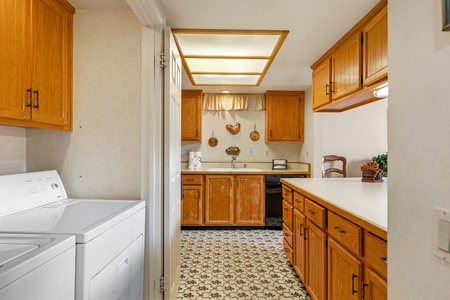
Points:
[(365, 200)]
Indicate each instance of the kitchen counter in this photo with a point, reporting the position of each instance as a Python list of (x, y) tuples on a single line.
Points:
[(361, 201), (247, 168)]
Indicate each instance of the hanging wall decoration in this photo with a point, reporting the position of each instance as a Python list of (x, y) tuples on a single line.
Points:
[(212, 142), (254, 135), (234, 129)]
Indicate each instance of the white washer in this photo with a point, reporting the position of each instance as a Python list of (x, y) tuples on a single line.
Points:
[(109, 233), (38, 267)]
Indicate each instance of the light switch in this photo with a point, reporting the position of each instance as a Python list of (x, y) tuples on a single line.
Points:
[(441, 233), (444, 235)]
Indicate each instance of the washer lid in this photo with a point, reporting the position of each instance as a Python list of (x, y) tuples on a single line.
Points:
[(20, 254), (13, 248)]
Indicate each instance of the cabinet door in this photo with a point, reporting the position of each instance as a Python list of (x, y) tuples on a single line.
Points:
[(316, 262), (219, 199), (14, 59), (321, 90), (192, 205), (284, 116), (52, 67), (250, 204), (346, 67), (376, 48), (191, 115), (300, 245), (344, 273), (375, 286)]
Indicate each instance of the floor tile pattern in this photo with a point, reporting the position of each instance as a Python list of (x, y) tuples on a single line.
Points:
[(236, 264)]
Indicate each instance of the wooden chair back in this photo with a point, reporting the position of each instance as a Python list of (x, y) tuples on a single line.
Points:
[(329, 160)]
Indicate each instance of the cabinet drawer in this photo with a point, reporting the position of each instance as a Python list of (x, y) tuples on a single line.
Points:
[(287, 214), (288, 235), (315, 213), (299, 201), (345, 232), (192, 179), (287, 194), (288, 250), (376, 253)]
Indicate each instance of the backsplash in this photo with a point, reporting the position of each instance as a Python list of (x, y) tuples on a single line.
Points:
[(251, 151)]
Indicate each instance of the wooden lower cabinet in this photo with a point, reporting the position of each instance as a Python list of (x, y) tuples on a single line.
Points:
[(316, 264), (235, 200), (345, 273), (192, 204), (300, 244), (250, 204), (375, 287), (219, 200)]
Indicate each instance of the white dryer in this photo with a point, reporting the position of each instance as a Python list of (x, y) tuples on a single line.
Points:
[(38, 267), (109, 233)]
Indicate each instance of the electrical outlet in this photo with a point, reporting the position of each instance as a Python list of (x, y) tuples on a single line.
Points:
[(251, 152), (267, 153)]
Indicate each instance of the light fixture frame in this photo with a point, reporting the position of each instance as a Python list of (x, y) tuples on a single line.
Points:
[(282, 34)]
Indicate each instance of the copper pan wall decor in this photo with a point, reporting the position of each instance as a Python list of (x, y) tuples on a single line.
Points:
[(212, 142), (254, 135)]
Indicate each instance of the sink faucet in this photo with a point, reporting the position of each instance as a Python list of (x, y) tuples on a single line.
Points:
[(233, 160)]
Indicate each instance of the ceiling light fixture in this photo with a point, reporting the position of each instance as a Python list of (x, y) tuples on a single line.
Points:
[(227, 57), (225, 91)]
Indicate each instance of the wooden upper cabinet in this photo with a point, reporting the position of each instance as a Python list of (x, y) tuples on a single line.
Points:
[(321, 81), (356, 65), (376, 48), (191, 115), (36, 47), (250, 200), (15, 75), (346, 68), (285, 116)]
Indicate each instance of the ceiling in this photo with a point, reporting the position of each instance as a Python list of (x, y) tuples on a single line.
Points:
[(313, 25)]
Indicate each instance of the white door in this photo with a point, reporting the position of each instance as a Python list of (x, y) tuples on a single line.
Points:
[(172, 165)]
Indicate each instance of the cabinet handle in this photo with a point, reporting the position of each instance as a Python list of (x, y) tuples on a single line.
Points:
[(353, 284), (196, 133), (304, 232), (326, 89), (301, 226), (311, 211), (37, 99), (297, 200), (270, 131), (30, 100), (338, 229), (331, 87), (286, 209), (383, 259), (363, 285)]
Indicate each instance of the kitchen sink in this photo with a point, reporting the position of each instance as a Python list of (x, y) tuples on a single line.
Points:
[(233, 169)]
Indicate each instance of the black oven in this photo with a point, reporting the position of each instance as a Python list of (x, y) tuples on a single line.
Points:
[(274, 199)]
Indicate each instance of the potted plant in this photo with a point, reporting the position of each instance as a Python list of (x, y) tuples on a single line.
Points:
[(382, 160)]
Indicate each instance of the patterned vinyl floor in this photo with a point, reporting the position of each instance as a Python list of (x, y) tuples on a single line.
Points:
[(236, 264)]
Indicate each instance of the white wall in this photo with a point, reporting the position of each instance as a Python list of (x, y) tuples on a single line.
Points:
[(419, 147), (358, 134), (101, 158), (12, 150), (217, 120)]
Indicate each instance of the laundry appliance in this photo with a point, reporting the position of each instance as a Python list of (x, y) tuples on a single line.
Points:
[(37, 267), (109, 234)]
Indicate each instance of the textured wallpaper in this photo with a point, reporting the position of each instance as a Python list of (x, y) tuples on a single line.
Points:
[(12, 150), (101, 157)]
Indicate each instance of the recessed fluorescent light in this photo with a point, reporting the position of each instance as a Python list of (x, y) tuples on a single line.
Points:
[(381, 92), (227, 57), (225, 91)]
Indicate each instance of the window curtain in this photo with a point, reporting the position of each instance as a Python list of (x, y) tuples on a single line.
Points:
[(215, 102)]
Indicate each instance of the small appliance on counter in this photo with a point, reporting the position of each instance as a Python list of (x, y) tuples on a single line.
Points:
[(195, 160), (279, 164)]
